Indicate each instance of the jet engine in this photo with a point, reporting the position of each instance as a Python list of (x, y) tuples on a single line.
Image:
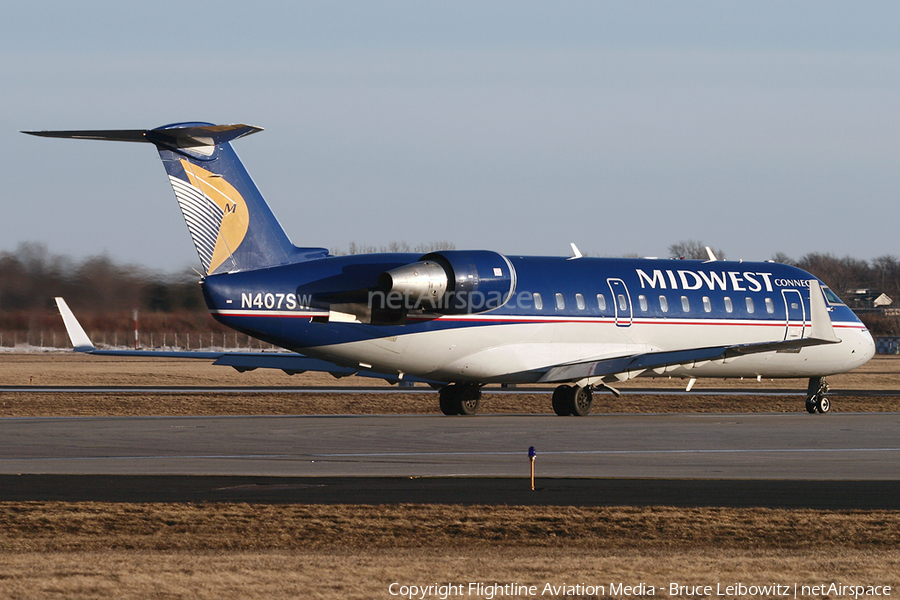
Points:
[(450, 282)]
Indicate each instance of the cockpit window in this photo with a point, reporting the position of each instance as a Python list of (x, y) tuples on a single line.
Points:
[(831, 296)]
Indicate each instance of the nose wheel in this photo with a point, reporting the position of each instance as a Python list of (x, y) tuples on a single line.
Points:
[(816, 401)]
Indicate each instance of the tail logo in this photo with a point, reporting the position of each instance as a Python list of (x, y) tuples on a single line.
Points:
[(215, 212)]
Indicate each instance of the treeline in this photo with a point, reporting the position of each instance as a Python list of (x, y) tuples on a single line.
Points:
[(355, 248), (104, 294)]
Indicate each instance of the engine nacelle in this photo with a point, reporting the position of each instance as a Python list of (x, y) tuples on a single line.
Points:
[(450, 282)]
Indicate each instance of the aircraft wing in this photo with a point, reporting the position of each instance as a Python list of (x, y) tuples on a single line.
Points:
[(628, 367), (289, 362)]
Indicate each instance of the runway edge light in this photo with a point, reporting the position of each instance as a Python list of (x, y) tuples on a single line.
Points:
[(531, 456)]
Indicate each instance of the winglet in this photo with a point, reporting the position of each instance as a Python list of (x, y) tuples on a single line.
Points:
[(576, 253), (821, 326), (80, 340)]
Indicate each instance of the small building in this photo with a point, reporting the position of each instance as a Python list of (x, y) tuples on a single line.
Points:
[(867, 299)]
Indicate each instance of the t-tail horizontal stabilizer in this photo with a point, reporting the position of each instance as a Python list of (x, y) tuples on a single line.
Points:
[(196, 138), (231, 225), (821, 332)]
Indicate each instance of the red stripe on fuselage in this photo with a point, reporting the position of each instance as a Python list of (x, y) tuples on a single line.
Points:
[(544, 320)]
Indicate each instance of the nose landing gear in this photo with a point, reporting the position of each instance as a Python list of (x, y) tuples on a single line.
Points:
[(816, 401)]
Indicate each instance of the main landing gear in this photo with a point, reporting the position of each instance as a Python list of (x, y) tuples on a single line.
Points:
[(460, 398), (816, 401), (572, 400)]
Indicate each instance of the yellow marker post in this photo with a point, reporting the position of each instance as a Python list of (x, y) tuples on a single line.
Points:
[(531, 456)]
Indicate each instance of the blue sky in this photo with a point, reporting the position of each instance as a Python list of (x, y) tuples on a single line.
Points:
[(624, 127)]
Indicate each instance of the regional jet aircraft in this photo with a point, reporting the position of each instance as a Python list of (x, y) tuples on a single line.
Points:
[(460, 319)]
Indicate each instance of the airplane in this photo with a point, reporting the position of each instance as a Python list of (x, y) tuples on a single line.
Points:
[(462, 319)]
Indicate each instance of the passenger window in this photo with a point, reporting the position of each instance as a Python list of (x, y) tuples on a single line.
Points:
[(750, 305), (579, 301), (685, 304), (623, 303), (707, 305), (728, 306), (664, 304), (538, 303), (560, 302), (642, 300), (770, 306), (601, 301)]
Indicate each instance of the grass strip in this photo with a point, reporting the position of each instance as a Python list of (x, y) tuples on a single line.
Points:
[(59, 526)]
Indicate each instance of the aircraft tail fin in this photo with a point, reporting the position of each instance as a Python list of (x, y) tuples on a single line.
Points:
[(232, 227)]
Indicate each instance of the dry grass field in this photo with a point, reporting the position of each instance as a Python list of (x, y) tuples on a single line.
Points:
[(93, 550), (280, 552)]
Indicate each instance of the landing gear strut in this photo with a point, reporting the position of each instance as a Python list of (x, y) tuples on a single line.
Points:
[(572, 400), (816, 401), (460, 398)]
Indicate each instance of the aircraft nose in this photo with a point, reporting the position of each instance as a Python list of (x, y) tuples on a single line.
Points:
[(865, 348)]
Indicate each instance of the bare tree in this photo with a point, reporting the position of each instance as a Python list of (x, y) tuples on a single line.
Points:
[(693, 249), (781, 257), (887, 271), (400, 247), (844, 275), (434, 247)]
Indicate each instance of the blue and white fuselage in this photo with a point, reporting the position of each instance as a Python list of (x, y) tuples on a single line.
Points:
[(560, 311), (460, 319)]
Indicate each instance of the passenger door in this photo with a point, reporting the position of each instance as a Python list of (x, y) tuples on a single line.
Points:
[(621, 302), (795, 315)]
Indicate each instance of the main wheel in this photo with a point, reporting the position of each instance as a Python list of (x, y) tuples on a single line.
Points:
[(562, 400), (823, 405), (582, 398), (459, 399), (811, 407), (469, 406), (449, 405)]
